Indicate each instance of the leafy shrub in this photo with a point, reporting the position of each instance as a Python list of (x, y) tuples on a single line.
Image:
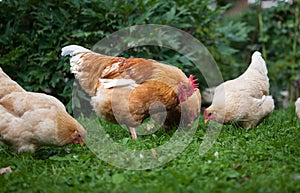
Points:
[(33, 33), (277, 36), (281, 38)]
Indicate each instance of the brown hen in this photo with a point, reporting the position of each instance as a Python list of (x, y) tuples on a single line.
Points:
[(127, 91)]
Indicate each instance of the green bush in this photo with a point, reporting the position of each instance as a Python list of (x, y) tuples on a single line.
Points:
[(281, 39), (33, 33), (276, 35)]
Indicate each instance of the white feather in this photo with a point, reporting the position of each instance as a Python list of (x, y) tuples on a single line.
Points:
[(111, 83), (257, 62), (267, 100), (111, 68), (76, 52), (72, 50), (297, 105), (259, 101)]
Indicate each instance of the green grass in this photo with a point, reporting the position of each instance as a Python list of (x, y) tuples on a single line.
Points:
[(264, 159)]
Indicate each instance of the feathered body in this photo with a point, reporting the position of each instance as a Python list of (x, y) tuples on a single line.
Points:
[(297, 107), (127, 91), (244, 100), (29, 120)]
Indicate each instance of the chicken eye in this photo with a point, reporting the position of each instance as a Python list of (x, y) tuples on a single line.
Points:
[(77, 133)]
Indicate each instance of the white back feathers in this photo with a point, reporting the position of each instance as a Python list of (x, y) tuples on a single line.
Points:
[(112, 83)]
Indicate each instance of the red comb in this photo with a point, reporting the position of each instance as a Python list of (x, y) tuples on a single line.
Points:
[(193, 81)]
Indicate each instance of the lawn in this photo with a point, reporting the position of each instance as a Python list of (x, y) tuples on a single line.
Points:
[(264, 159)]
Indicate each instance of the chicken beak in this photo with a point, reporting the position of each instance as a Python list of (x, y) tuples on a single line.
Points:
[(205, 121), (81, 142)]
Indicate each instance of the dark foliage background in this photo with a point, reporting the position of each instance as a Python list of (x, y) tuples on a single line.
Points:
[(32, 33)]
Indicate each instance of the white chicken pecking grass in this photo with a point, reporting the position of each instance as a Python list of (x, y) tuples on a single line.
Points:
[(244, 100)]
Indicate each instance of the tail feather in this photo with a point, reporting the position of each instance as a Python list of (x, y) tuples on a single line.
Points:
[(72, 50), (76, 53), (89, 66), (7, 85), (258, 63)]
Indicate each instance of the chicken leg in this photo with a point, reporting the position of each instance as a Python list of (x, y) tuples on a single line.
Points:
[(132, 132)]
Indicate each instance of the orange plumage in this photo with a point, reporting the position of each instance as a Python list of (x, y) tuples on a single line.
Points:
[(29, 120), (127, 91)]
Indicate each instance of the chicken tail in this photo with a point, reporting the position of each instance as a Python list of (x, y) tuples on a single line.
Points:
[(258, 63), (7, 85), (76, 53), (89, 66)]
